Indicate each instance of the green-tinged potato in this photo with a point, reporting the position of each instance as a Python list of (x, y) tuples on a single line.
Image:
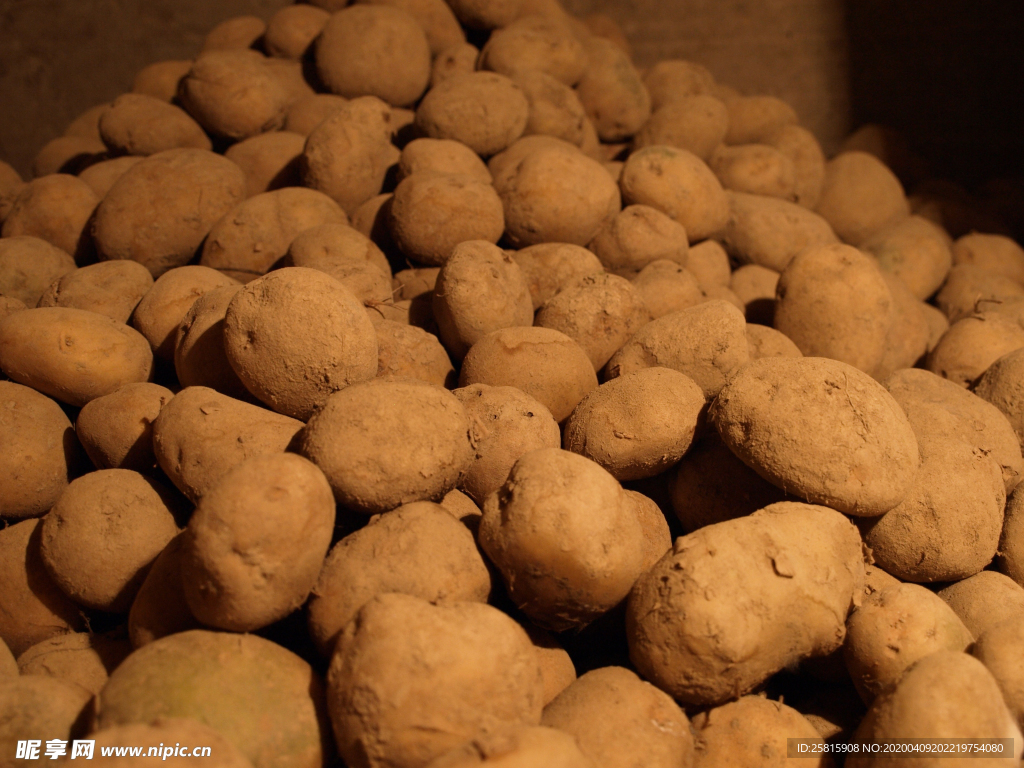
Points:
[(296, 335), (292, 30), (208, 676), (77, 657), (160, 608), (711, 486), (972, 345), (72, 355), (159, 212), (756, 169), (435, 17), (254, 546), (755, 286), (201, 435), (1000, 648), (754, 731), (555, 109), (821, 430), (102, 175), (709, 263), (68, 154), (480, 289), (666, 287), (160, 312), (969, 288), (109, 288), (199, 357), (802, 149), (1011, 544), (907, 341), (535, 43), (41, 452), (270, 161), (160, 79), (184, 731), (638, 236), (650, 729), (936, 407), (116, 430), (484, 110), (996, 253), (236, 33), (432, 213), (516, 747), (947, 695), (102, 534), (405, 351), (984, 600), (599, 312), (549, 267), (639, 424), (768, 342), (860, 197), (691, 621), (672, 80), (542, 362), (32, 607), (916, 251), (419, 549), (308, 112), (755, 119), (458, 59), (833, 301), (612, 92), (334, 243), (894, 628), (566, 539), (696, 123), (707, 342), (441, 156), (58, 209), (388, 442), (770, 232), (135, 124), (43, 709), (234, 94)]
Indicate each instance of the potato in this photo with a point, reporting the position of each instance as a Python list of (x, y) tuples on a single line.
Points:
[(103, 533), (234, 94), (432, 213), (199, 357), (348, 154), (937, 407), (947, 695), (28, 265), (441, 156), (755, 285), (679, 184), (177, 730), (10, 305), (292, 30), (549, 267), (405, 351), (671, 80), (915, 250), (555, 109), (755, 119), (861, 197), (709, 263), (937, 324), (160, 79), (296, 335), (704, 648), (516, 747), (556, 501), (159, 212), (650, 728), (136, 124), (654, 524), (502, 166), (756, 169), (907, 340), (116, 429), (638, 236), (457, 59), (110, 288), (270, 161), (200, 435), (374, 50), (770, 232), (967, 286), (160, 608), (238, 32), (999, 385), (801, 148), (996, 253), (753, 730), (695, 123), (34, 706), (102, 175), (822, 430), (76, 657), (484, 110), (431, 686), (72, 355), (435, 17), (307, 113), (208, 676), (984, 600), (833, 302), (666, 287), (999, 649), (612, 93), (254, 546), (55, 208), (1011, 544), (894, 628), (535, 43), (711, 486), (87, 123), (67, 154), (419, 549), (334, 244), (768, 342), (706, 342), (972, 345)]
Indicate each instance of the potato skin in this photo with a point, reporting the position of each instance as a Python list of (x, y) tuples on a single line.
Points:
[(135, 124), (169, 730), (770, 232), (110, 288), (612, 93), (32, 704), (82, 658), (57, 208), (999, 648), (984, 600), (73, 355), (861, 196), (1011, 544), (737, 607), (791, 418), (548, 267), (29, 265), (517, 747), (484, 110)]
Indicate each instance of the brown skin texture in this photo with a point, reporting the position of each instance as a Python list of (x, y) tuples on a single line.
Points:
[(908, 337), (199, 358), (77, 657), (67, 154), (1011, 544), (549, 267), (374, 50), (335, 243), (535, 43), (58, 209), (791, 418), (441, 156), (208, 676), (984, 600), (72, 355), (969, 289), (517, 747), (292, 30), (556, 666), (9, 305), (161, 79), (757, 169), (160, 608), (87, 123), (565, 538), (505, 424), (543, 363), (503, 165), (366, 281), (110, 288), (8, 665), (695, 123), (295, 336), (650, 729), (555, 109), (657, 536), (307, 113), (767, 342), (33, 704), (270, 161), (755, 287), (996, 253), (167, 731), (861, 196), (1000, 385), (638, 236), (458, 59), (915, 250), (637, 425), (754, 119), (972, 345), (419, 549), (434, 16), (254, 546), (201, 435), (712, 619), (666, 287), (103, 533), (161, 209), (102, 175), (237, 33), (42, 452), (709, 263), (999, 649), (406, 351), (612, 93), (802, 149), (116, 429), (135, 124)]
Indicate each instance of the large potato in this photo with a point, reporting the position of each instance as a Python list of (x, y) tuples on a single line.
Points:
[(613, 94), (539, 43), (270, 161), (184, 732), (57, 208), (116, 430), (83, 658), (29, 265), (860, 197), (135, 124), (110, 288), (770, 232), (549, 267)]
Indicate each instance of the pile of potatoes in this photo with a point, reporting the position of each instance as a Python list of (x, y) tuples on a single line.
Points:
[(420, 383)]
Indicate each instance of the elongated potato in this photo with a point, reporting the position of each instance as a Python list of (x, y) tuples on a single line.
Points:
[(135, 124), (770, 232), (110, 288), (83, 658)]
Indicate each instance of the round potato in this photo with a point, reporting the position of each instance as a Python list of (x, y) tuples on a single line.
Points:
[(484, 110), (58, 209), (673, 79), (160, 608), (28, 266), (160, 79), (666, 287), (770, 232), (768, 342), (555, 109), (638, 236), (984, 600), (754, 119), (270, 161), (199, 357), (457, 59), (292, 30), (116, 430), (802, 149), (110, 288), (335, 243), (102, 175), (135, 124), (435, 17), (756, 169), (916, 251), (441, 156), (972, 345), (549, 267), (538, 43), (696, 123), (82, 658), (996, 253), (860, 197), (709, 263), (612, 92)]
